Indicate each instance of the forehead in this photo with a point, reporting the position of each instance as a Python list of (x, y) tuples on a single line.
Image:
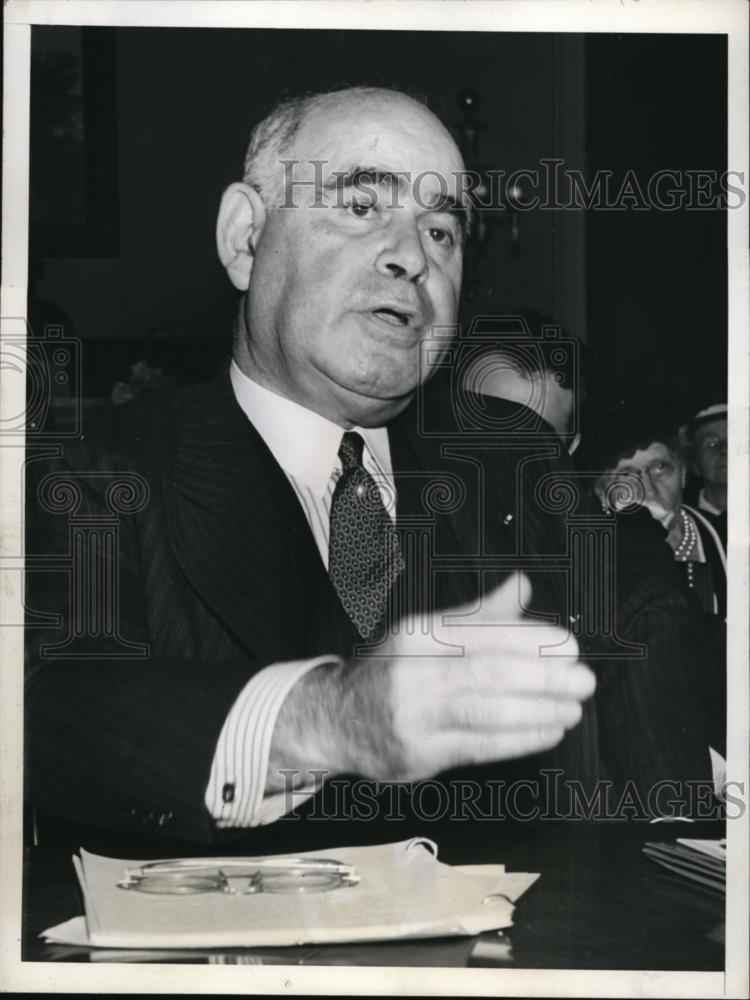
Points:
[(644, 456), (378, 131)]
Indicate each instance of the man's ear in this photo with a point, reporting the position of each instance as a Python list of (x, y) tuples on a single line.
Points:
[(242, 216)]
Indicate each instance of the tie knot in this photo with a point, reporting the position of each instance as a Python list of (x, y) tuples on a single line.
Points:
[(350, 451)]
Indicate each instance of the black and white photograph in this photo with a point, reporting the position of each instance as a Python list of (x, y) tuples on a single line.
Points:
[(374, 523)]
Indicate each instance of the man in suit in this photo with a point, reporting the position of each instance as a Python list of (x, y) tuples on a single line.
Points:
[(705, 441), (304, 578)]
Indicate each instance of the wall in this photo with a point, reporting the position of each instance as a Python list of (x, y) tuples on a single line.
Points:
[(186, 101), (657, 279)]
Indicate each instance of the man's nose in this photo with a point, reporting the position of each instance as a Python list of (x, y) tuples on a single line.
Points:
[(402, 255)]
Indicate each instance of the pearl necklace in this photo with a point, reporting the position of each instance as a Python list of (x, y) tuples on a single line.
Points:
[(685, 549)]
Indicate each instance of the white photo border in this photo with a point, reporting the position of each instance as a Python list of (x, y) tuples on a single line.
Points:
[(728, 17)]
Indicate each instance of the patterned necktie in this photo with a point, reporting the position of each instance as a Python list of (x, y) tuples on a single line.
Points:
[(364, 555)]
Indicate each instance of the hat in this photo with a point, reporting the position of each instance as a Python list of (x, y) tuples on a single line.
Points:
[(714, 412), (629, 424)]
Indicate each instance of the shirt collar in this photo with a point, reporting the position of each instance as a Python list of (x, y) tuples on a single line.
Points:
[(304, 444), (705, 504)]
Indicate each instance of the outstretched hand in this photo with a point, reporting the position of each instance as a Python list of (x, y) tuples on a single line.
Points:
[(471, 688), (495, 698)]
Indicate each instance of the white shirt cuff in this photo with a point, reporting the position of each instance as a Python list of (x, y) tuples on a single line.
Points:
[(236, 786)]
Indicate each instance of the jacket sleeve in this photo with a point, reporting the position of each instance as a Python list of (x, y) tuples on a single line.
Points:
[(654, 715), (117, 736)]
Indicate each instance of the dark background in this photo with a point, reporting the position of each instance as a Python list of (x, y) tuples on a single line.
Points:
[(163, 121)]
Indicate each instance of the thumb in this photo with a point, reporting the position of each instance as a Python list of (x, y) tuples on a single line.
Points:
[(511, 598), (505, 604)]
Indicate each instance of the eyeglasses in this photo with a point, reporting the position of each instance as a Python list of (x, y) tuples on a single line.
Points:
[(660, 468), (190, 876)]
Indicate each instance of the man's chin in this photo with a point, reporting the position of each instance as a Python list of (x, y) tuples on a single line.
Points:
[(366, 406), (376, 411)]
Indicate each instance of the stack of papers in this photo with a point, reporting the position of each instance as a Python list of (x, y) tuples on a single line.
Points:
[(402, 891), (700, 861)]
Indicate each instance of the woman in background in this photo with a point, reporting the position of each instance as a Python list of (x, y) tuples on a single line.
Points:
[(642, 467)]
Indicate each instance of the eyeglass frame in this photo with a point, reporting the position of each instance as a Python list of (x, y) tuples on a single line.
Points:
[(195, 876)]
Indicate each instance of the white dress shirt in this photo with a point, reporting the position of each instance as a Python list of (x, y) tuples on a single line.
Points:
[(705, 504), (306, 447)]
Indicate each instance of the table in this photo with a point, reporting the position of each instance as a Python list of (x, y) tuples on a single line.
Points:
[(598, 905)]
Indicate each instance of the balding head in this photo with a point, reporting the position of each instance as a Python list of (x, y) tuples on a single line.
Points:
[(273, 139), (349, 273)]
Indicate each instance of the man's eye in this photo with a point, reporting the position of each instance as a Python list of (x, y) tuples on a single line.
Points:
[(661, 468), (361, 208), (439, 235)]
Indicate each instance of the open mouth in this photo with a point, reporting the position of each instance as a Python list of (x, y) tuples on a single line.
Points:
[(392, 316)]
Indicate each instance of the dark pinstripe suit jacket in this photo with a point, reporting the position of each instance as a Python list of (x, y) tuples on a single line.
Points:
[(217, 575)]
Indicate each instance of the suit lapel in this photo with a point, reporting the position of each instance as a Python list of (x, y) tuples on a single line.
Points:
[(238, 530), (244, 544), (459, 492), (430, 532)]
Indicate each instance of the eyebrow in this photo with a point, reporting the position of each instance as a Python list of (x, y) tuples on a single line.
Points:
[(363, 175), (452, 206), (443, 202)]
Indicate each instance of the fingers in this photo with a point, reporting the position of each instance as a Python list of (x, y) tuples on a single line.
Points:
[(523, 673), (524, 636), (492, 714), (502, 690), (455, 750), (550, 679), (515, 688)]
